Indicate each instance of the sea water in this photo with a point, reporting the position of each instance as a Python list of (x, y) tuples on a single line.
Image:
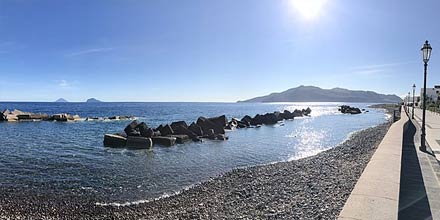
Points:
[(69, 159)]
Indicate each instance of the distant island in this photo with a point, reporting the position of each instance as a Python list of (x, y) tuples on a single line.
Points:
[(93, 100), (316, 94), (61, 100)]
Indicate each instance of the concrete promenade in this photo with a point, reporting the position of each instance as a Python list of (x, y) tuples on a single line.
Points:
[(400, 181), (376, 194)]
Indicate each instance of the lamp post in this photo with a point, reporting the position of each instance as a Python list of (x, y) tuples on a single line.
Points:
[(413, 105), (407, 102), (426, 53)]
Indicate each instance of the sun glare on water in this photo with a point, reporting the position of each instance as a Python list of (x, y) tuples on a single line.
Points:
[(308, 9)]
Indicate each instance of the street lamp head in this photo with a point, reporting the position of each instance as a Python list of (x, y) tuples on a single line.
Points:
[(426, 51), (414, 86)]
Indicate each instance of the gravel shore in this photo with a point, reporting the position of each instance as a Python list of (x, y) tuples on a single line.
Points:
[(311, 188)]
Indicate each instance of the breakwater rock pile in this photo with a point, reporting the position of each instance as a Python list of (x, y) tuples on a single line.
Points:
[(17, 115), (345, 109), (137, 135)]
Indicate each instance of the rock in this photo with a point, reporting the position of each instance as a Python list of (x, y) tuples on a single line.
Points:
[(176, 124), (221, 121), (181, 138), (131, 129), (229, 127), (241, 124), (60, 117), (308, 111), (345, 109), (269, 119), (166, 130), (206, 124), (165, 141), (144, 130), (111, 140), (287, 115), (298, 113), (160, 127), (196, 129), (4, 114), (181, 130), (221, 137), (73, 118), (24, 117), (257, 120), (278, 115), (247, 120), (139, 142), (17, 112), (11, 117)]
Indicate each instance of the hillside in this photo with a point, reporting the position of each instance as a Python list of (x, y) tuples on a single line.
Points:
[(316, 94)]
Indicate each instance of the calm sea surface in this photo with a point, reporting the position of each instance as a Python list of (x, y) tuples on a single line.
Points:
[(70, 159)]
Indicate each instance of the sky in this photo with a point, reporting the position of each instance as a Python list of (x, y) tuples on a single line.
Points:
[(204, 50)]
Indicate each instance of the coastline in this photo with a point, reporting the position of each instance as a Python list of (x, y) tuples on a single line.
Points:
[(312, 187)]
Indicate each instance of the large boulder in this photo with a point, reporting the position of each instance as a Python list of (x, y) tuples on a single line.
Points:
[(144, 130), (349, 110), (24, 117), (221, 121), (112, 140), (247, 120), (139, 142), (287, 115), (308, 111), (166, 130), (181, 130), (177, 124), (4, 114), (131, 129), (297, 113), (196, 129), (165, 141), (257, 120), (269, 119), (278, 115), (206, 124), (60, 117)]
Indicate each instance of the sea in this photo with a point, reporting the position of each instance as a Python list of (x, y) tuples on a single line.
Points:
[(70, 160)]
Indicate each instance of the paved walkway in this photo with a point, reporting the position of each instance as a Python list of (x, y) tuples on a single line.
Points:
[(376, 194), (428, 164), (432, 129), (400, 181)]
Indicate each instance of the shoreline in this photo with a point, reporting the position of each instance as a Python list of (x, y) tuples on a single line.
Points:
[(298, 188)]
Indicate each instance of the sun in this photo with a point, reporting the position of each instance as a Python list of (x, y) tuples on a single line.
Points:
[(308, 9)]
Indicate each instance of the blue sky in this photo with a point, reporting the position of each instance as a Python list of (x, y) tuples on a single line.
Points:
[(202, 50)]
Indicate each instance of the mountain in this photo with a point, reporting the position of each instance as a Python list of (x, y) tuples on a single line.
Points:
[(93, 100), (316, 94), (61, 100)]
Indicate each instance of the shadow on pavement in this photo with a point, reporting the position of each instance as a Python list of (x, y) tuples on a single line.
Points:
[(413, 201)]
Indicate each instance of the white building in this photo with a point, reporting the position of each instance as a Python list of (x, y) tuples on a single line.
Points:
[(432, 94)]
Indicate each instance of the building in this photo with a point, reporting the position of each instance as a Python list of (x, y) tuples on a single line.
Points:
[(432, 94)]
